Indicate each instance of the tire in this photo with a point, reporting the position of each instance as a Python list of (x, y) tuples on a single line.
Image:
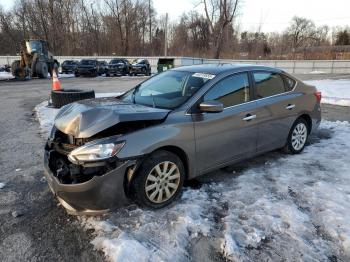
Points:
[(66, 96), (146, 175), (15, 65), (298, 136), (33, 66), (19, 72), (42, 69)]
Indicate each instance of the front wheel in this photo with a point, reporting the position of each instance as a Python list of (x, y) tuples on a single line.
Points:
[(158, 181), (297, 137)]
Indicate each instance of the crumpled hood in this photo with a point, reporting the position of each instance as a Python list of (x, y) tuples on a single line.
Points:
[(86, 118)]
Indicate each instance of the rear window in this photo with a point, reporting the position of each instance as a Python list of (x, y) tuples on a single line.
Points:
[(268, 84)]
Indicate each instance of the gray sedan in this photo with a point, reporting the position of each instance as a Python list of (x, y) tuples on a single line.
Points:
[(173, 127)]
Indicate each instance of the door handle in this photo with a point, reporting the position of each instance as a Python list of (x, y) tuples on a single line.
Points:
[(249, 117), (290, 107)]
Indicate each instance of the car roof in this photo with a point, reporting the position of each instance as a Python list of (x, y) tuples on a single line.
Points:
[(216, 69)]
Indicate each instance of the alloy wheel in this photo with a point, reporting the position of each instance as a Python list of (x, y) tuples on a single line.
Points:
[(162, 182), (299, 136)]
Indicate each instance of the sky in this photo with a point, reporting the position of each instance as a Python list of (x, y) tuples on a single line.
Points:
[(273, 15), (270, 15)]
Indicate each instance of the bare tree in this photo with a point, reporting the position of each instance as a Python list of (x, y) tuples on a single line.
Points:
[(220, 14)]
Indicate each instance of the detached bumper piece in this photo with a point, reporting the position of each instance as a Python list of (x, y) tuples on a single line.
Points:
[(89, 190)]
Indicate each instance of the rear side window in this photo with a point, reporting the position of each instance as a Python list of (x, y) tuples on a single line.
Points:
[(290, 83), (232, 90), (268, 84)]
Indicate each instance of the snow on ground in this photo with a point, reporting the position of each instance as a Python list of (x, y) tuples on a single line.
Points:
[(289, 208), (5, 75), (316, 72), (65, 75), (336, 92), (280, 207), (2, 185)]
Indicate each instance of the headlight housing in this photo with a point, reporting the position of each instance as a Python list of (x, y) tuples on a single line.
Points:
[(95, 152)]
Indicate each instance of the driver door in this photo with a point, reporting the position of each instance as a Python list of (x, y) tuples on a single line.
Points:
[(231, 134)]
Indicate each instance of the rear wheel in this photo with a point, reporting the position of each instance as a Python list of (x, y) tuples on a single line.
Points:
[(159, 180), (297, 137), (42, 69)]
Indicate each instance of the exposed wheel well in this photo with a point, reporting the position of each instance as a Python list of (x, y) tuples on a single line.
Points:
[(180, 153), (308, 120)]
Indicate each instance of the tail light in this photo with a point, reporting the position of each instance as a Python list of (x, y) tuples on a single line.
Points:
[(318, 96)]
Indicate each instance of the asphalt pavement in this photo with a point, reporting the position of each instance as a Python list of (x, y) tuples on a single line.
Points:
[(32, 226)]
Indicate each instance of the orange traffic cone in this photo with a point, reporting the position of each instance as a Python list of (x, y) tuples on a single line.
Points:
[(56, 85)]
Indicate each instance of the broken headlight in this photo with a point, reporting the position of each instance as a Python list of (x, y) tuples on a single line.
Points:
[(95, 152)]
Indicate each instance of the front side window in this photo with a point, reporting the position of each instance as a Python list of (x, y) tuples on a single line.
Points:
[(231, 91), (268, 84), (166, 90)]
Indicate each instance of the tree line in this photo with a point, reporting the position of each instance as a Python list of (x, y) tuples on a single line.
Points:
[(133, 28)]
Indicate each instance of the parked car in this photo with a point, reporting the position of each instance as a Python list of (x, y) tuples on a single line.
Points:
[(5, 68), (140, 66), (173, 127), (69, 66), (87, 67), (118, 67), (102, 67)]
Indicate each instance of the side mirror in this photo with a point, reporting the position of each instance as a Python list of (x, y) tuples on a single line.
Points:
[(211, 107)]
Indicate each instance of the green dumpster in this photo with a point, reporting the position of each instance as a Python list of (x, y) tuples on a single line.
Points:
[(165, 64)]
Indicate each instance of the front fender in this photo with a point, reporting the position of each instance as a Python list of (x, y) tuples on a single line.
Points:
[(170, 133)]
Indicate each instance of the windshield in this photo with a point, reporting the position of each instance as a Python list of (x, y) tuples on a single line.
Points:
[(167, 90), (116, 61), (68, 63), (87, 62), (137, 61), (33, 47)]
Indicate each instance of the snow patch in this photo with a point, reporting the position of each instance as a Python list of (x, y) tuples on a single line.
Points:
[(2, 185), (65, 75), (317, 72), (6, 75), (335, 92)]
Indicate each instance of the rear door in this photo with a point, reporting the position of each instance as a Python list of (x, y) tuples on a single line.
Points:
[(277, 108), (230, 134)]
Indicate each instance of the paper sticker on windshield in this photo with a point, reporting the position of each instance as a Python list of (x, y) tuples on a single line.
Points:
[(202, 75)]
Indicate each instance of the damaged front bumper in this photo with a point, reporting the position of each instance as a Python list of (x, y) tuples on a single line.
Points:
[(95, 196)]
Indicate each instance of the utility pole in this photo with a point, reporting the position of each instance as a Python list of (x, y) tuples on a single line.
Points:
[(166, 36)]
